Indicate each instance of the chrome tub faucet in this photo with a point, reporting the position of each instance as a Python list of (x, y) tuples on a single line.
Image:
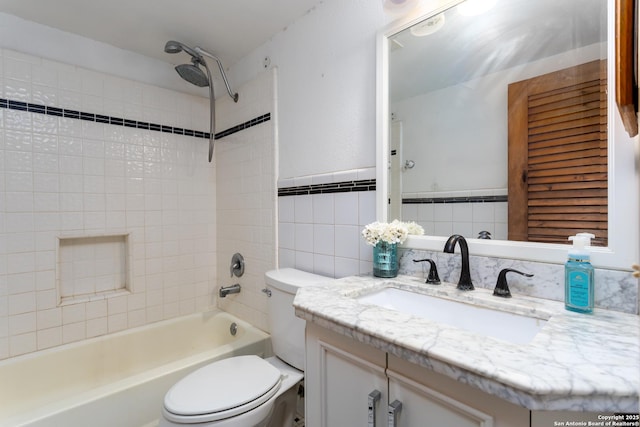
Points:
[(226, 290)]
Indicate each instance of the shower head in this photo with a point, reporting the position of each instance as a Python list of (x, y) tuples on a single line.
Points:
[(193, 74), (173, 46), (190, 72)]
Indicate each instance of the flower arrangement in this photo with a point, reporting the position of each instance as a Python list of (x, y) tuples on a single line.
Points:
[(393, 232)]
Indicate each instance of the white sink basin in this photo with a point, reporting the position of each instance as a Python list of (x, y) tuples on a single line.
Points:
[(513, 328)]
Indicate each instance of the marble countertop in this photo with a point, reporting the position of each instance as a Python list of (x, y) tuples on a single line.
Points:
[(576, 362)]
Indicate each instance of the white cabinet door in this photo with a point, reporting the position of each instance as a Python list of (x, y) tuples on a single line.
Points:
[(354, 392), (424, 407), (446, 398), (344, 388)]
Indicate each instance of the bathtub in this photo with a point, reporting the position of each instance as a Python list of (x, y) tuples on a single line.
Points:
[(118, 380)]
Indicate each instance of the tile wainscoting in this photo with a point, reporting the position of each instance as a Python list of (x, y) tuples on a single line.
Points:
[(440, 215), (320, 218)]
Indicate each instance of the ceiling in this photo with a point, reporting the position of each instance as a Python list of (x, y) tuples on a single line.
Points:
[(229, 29)]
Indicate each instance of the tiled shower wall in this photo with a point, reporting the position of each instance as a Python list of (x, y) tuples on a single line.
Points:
[(246, 192), (101, 170), (320, 219)]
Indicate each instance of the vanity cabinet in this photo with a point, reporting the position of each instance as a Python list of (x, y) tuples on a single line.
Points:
[(341, 383), (352, 384)]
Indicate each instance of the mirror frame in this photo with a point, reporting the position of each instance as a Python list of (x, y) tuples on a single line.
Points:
[(624, 164)]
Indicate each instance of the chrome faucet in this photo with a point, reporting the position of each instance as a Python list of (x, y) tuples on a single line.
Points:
[(226, 290), (464, 284)]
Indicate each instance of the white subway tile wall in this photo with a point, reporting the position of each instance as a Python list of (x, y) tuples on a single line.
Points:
[(321, 233), (62, 177), (246, 198), (468, 218)]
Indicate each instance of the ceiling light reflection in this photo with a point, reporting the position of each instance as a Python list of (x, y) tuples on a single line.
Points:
[(475, 7)]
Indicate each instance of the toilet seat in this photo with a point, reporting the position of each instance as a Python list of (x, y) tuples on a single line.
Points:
[(222, 389)]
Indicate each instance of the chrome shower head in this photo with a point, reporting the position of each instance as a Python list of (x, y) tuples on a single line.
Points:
[(173, 46), (190, 72), (193, 74)]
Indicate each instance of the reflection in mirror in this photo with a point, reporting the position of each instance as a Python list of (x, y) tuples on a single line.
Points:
[(499, 121)]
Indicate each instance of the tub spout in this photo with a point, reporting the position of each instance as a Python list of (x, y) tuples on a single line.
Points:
[(226, 290)]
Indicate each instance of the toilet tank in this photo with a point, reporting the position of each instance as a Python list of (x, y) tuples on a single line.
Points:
[(287, 330)]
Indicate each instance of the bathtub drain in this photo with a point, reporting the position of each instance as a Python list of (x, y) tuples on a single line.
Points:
[(233, 329)]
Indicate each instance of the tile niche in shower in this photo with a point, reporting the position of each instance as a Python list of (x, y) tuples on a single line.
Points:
[(94, 267)]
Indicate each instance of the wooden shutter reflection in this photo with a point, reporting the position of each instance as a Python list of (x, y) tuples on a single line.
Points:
[(558, 155)]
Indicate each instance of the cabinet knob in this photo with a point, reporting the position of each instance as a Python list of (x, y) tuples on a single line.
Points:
[(394, 409), (374, 397)]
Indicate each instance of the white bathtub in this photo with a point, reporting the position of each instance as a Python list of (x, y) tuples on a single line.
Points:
[(118, 380)]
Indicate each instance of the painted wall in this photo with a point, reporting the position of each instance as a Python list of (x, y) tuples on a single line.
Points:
[(327, 89)]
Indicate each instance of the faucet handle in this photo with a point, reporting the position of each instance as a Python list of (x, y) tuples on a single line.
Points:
[(237, 265), (433, 277), (502, 288)]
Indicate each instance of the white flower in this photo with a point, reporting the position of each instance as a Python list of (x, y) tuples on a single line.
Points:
[(414, 228), (394, 232)]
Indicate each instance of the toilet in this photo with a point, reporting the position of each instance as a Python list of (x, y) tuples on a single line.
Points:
[(245, 391)]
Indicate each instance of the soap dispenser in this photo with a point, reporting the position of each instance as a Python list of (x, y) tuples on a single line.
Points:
[(578, 275)]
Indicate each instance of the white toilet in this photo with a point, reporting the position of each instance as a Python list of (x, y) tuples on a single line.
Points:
[(246, 391)]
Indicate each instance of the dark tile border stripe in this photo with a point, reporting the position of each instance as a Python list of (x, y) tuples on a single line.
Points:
[(334, 187), (117, 121), (245, 125), (370, 185), (470, 199)]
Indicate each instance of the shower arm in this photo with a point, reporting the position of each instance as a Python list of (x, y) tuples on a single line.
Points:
[(201, 51)]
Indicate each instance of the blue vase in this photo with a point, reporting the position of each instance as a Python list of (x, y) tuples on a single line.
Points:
[(385, 259)]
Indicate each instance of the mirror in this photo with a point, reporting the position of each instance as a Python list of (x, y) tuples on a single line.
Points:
[(443, 121)]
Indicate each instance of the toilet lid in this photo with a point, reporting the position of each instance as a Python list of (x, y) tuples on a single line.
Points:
[(227, 387)]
